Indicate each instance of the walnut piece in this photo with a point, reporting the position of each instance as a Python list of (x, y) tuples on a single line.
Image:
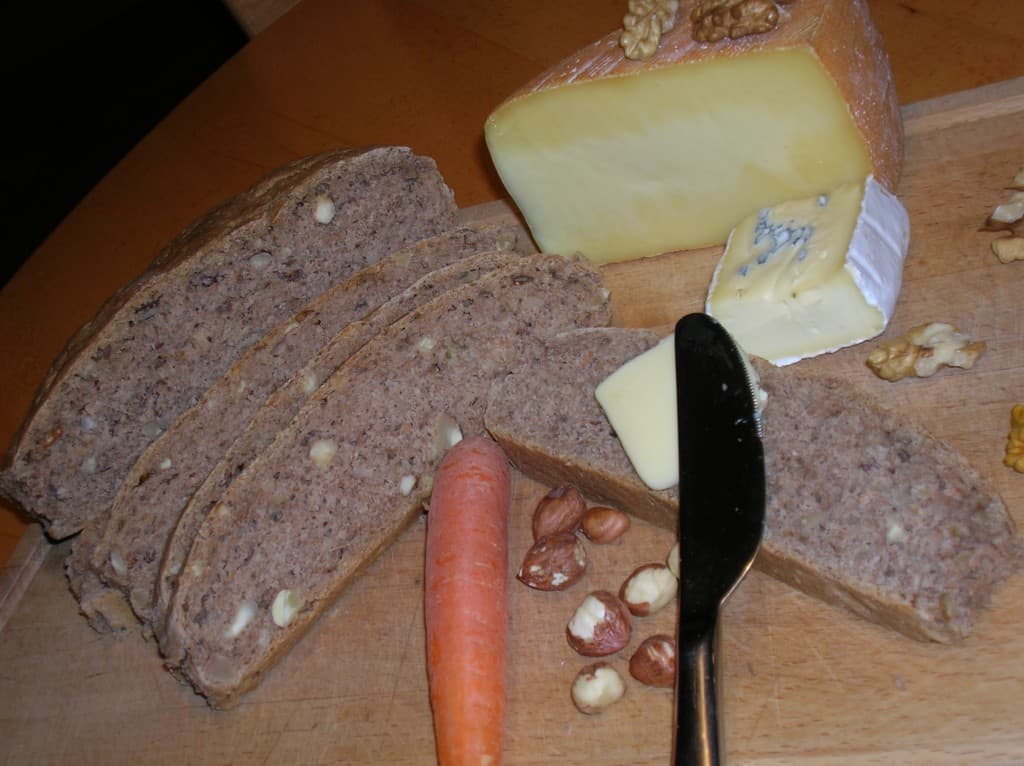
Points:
[(1009, 249), (1014, 457), (322, 452), (644, 24), (285, 608), (1009, 217), (714, 20), (1008, 213), (923, 351)]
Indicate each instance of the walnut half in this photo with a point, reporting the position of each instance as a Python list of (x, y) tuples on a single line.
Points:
[(644, 24), (715, 20), (923, 351), (1009, 217), (1009, 249)]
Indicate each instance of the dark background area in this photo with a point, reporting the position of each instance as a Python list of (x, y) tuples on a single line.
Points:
[(86, 81)]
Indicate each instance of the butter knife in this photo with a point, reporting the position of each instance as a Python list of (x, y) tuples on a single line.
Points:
[(721, 517)]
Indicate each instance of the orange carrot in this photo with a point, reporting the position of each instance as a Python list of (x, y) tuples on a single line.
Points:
[(466, 607)]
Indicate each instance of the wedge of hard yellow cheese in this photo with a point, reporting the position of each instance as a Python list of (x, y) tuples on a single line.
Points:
[(621, 159)]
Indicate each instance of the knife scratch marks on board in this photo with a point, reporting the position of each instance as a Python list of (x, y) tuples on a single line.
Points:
[(413, 632), (823, 662), (771, 704), (776, 695), (277, 737)]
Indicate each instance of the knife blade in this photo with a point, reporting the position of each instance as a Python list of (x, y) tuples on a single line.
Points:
[(721, 516)]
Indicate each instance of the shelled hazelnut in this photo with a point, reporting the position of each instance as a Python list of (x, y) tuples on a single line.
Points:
[(554, 562), (601, 625), (654, 661), (560, 510), (604, 525), (649, 588), (596, 687)]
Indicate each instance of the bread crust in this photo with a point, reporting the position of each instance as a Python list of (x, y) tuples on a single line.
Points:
[(871, 512), (543, 444), (866, 509), (289, 523), (130, 371), (159, 485)]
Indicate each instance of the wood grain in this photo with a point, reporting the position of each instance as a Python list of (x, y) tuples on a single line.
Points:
[(805, 684), (423, 73)]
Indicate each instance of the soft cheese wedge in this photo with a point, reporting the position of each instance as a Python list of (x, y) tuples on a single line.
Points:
[(619, 159), (813, 275)]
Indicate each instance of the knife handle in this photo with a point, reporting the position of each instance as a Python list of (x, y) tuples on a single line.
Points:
[(698, 732)]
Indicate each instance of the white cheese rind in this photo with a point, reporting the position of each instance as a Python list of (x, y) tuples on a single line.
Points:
[(828, 278), (879, 247)]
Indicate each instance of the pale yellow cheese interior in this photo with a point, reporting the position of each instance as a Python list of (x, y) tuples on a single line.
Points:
[(672, 158), (799, 265), (785, 288), (639, 400)]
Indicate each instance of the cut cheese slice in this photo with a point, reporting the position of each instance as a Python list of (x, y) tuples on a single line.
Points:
[(639, 400), (619, 159), (813, 275)]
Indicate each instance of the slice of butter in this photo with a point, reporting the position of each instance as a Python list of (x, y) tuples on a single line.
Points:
[(620, 159), (811, 276), (639, 400)]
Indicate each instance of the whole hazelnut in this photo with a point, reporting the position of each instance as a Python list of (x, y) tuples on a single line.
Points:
[(596, 687), (604, 525), (554, 562), (648, 589), (654, 661), (560, 510), (600, 626)]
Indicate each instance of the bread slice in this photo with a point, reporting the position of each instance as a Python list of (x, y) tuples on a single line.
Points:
[(125, 546), (282, 406), (866, 509), (161, 341), (148, 513), (352, 469), (871, 512), (563, 435)]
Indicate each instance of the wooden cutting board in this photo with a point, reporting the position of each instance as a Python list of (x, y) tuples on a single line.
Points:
[(804, 683)]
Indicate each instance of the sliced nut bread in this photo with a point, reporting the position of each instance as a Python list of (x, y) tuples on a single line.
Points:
[(866, 510), (306, 350), (352, 469), (161, 341), (282, 406), (562, 435)]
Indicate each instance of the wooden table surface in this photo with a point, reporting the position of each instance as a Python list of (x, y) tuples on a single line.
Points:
[(422, 73)]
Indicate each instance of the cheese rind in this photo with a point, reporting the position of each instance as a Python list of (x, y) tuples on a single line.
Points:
[(619, 159), (639, 400), (810, 276)]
